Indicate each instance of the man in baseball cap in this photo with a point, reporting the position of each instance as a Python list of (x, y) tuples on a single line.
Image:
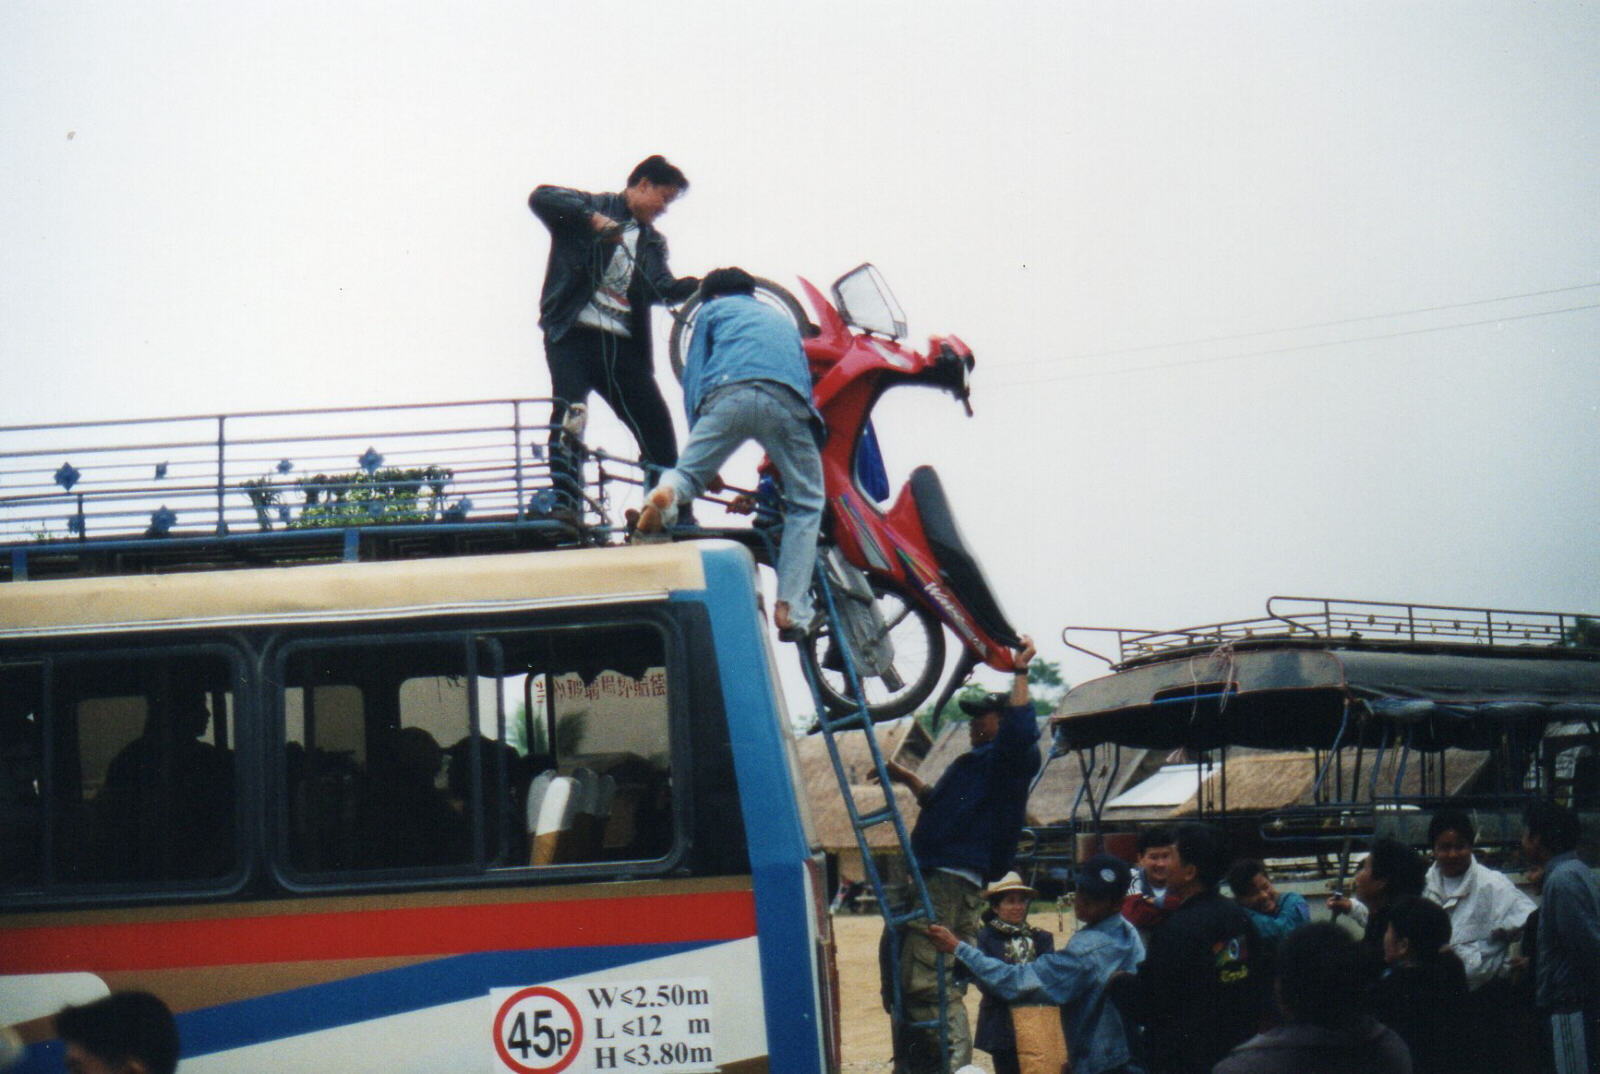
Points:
[(1102, 877), (1076, 977), (965, 837)]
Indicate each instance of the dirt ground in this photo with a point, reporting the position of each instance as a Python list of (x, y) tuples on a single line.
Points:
[(864, 1032)]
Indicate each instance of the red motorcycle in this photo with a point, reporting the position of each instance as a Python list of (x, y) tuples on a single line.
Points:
[(900, 572)]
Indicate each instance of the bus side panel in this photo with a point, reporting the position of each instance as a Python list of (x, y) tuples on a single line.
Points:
[(769, 801), (365, 982)]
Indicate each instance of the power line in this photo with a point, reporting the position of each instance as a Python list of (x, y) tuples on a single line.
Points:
[(1028, 382), (1142, 348)]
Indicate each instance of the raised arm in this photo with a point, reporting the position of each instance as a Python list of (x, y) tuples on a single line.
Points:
[(560, 208), (1020, 659)]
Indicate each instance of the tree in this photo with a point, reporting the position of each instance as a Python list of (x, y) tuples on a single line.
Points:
[(1583, 634)]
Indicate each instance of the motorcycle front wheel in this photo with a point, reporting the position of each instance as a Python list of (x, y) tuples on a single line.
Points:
[(683, 321), (918, 639)]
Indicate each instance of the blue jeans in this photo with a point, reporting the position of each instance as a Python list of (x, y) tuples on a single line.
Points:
[(776, 418)]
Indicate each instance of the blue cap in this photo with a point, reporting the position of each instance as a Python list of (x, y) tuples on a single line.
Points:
[(1104, 876)]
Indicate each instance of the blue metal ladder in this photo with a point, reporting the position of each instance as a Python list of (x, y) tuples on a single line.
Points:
[(896, 913)]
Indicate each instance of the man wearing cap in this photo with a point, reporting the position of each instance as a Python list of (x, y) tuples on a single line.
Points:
[(1076, 977), (966, 835)]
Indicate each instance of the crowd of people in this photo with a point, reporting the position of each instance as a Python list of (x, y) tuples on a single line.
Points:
[(1436, 967)]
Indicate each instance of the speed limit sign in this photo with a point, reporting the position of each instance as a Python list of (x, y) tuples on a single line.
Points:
[(537, 1031)]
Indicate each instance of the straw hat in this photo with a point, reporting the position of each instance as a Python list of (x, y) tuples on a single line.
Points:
[(1012, 881)]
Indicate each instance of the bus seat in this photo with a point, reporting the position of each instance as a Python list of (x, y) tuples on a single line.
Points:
[(581, 840), (551, 798)]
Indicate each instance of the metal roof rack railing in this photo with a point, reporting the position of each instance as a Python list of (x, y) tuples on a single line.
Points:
[(281, 472), (1321, 619)]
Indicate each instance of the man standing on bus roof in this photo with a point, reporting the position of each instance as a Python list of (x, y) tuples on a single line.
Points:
[(608, 265), (746, 378), (965, 836)]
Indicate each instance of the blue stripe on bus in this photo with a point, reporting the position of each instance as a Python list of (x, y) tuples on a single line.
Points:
[(398, 991)]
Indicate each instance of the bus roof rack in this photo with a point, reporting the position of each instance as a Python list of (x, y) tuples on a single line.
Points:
[(207, 491), (1316, 673)]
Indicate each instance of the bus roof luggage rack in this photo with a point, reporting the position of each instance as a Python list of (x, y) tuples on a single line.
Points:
[(1397, 707), (253, 488)]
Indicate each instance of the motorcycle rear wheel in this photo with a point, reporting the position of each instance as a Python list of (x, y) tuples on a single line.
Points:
[(918, 639), (773, 294)]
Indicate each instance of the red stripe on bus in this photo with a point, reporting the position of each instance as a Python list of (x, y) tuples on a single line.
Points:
[(421, 931)]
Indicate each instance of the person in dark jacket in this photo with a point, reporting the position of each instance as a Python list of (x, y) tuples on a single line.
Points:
[(1422, 994), (607, 267), (1567, 971), (1201, 989), (965, 836), (1007, 936), (1391, 870), (1320, 973)]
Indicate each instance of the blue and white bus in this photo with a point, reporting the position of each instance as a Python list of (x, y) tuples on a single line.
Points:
[(533, 812)]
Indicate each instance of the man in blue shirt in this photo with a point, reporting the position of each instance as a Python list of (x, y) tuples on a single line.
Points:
[(1074, 978), (965, 836), (746, 378)]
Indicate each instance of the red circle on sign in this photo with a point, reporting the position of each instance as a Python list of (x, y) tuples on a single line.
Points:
[(530, 993)]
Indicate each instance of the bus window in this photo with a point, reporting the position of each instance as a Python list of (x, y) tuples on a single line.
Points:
[(141, 788), (591, 718), (363, 765), (504, 750), (21, 776)]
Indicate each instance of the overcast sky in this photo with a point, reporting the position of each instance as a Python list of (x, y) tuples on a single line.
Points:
[(1266, 298)]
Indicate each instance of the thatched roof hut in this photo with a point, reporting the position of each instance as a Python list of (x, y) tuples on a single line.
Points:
[(1261, 781), (828, 814)]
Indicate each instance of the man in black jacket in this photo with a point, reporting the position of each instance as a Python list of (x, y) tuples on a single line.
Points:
[(1201, 989), (608, 266)]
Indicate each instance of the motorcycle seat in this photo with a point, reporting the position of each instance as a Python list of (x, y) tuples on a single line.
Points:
[(956, 564)]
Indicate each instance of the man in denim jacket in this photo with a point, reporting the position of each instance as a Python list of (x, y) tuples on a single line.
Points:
[(1074, 978), (747, 379)]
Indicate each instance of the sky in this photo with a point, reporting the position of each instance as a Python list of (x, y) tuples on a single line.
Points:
[(1266, 298)]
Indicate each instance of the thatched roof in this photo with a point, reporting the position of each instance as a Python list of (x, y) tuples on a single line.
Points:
[(1462, 769), (828, 814), (1057, 790), (1263, 781), (1255, 783)]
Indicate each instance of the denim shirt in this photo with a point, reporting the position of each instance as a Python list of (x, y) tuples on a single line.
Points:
[(1074, 978), (738, 338)]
